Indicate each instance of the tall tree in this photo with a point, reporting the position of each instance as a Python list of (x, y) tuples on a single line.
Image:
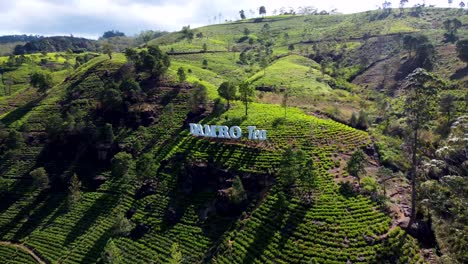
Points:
[(447, 106), (356, 164), (181, 74), (227, 90), (262, 11), (108, 48), (421, 91), (461, 5), (246, 92), (198, 98), (74, 192), (242, 14)]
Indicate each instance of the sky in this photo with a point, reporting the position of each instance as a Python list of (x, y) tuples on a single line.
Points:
[(91, 18)]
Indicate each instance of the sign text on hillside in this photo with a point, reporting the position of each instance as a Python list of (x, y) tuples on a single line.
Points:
[(234, 132)]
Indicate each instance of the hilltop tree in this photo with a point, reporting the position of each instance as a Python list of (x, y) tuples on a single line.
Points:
[(242, 15), (462, 50), (187, 33), (198, 98), (262, 11), (40, 178), (108, 48), (181, 74), (227, 90), (246, 92), (402, 5), (74, 193), (452, 26), (450, 2), (421, 91), (462, 5), (355, 165)]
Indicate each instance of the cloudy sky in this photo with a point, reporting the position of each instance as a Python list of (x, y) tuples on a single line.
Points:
[(90, 18)]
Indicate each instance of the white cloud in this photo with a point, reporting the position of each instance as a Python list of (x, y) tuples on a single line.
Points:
[(91, 18)]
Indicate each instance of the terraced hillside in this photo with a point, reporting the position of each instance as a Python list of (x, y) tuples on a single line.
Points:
[(125, 181)]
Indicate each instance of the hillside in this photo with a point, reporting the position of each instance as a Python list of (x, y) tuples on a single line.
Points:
[(97, 163)]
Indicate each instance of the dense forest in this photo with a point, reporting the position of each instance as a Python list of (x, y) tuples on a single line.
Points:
[(365, 158)]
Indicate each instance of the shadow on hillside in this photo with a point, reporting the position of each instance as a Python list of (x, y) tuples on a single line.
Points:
[(295, 218), (100, 207), (23, 213), (264, 233), (52, 202), (19, 112), (20, 187), (460, 74), (96, 250)]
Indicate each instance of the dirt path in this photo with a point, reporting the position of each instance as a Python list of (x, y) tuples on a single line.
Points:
[(24, 248)]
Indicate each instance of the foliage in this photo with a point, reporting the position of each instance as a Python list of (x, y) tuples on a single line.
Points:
[(41, 81), (108, 48), (56, 44), (356, 164), (237, 193), (152, 60), (198, 98), (227, 90), (122, 226), (176, 255), (74, 192), (121, 164), (145, 166), (112, 33), (369, 185), (111, 254), (246, 92), (181, 74), (452, 26), (40, 178)]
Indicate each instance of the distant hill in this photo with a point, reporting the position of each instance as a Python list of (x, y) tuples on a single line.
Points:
[(18, 38), (56, 44)]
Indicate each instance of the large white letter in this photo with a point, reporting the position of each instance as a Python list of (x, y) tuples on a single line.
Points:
[(238, 132), (192, 128), (210, 131), (262, 134), (251, 130), (223, 132), (198, 130)]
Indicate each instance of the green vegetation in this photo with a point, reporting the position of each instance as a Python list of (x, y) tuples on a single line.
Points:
[(97, 163)]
